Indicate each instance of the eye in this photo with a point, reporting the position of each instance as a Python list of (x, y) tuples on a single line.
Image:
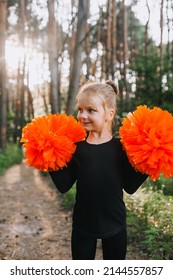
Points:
[(80, 110), (90, 110)]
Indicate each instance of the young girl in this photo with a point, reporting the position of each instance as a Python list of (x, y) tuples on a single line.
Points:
[(101, 171)]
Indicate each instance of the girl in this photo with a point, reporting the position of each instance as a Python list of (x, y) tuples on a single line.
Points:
[(101, 169)]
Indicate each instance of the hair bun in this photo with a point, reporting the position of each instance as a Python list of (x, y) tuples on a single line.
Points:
[(114, 86)]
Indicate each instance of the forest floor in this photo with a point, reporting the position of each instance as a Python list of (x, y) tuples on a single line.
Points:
[(33, 223)]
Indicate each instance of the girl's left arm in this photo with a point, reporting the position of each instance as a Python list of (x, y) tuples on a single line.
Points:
[(64, 178), (132, 179)]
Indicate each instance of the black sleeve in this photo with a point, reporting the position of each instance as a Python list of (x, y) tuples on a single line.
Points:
[(132, 179), (64, 178)]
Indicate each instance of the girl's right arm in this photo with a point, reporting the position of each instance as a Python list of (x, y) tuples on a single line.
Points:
[(64, 178)]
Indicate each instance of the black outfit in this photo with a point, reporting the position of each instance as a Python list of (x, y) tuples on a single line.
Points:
[(102, 172), (113, 248)]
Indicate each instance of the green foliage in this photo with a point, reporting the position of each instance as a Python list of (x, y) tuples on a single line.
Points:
[(150, 215), (163, 184), (154, 87), (12, 155), (147, 82), (68, 198), (10, 124), (158, 243), (159, 232)]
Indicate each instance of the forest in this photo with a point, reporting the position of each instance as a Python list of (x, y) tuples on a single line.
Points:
[(49, 48)]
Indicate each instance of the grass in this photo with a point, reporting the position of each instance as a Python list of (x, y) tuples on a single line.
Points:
[(12, 155)]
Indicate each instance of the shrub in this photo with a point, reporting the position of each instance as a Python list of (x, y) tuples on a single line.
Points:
[(164, 184), (152, 214), (12, 155)]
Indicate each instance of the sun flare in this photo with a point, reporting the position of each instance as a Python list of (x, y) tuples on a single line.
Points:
[(36, 63), (13, 55)]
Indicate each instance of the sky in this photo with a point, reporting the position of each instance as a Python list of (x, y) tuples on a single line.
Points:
[(141, 13), (140, 10)]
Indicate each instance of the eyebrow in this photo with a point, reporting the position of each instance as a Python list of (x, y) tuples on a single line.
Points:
[(88, 108)]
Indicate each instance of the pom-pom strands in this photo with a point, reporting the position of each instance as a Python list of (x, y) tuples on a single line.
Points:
[(147, 137), (49, 141)]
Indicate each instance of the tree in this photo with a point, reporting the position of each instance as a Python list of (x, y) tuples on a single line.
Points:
[(113, 39), (20, 98), (160, 68), (3, 99), (53, 57), (112, 44), (83, 10), (108, 41), (125, 53), (146, 31)]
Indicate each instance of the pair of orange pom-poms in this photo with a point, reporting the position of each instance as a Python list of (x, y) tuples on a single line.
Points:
[(147, 137), (49, 141)]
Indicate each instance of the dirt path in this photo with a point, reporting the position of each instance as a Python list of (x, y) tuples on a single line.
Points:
[(33, 225)]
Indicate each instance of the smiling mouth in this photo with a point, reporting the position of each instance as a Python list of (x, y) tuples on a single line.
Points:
[(85, 123)]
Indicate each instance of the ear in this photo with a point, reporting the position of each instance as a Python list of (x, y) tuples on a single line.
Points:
[(110, 114)]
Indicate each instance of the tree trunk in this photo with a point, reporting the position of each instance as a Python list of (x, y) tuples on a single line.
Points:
[(160, 54), (22, 40), (146, 46), (53, 57), (30, 109), (172, 42), (108, 40), (83, 10), (102, 38), (3, 99), (168, 45), (146, 32), (20, 98), (87, 50), (113, 40), (125, 52)]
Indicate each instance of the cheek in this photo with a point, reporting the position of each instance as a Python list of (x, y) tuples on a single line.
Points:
[(78, 115)]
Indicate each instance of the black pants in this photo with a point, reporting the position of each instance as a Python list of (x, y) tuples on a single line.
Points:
[(113, 248)]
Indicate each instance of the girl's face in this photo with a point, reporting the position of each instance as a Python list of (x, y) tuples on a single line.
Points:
[(92, 115)]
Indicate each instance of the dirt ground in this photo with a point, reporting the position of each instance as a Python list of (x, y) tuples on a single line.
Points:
[(33, 225)]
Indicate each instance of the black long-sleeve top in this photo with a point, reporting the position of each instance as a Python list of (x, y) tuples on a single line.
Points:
[(102, 171)]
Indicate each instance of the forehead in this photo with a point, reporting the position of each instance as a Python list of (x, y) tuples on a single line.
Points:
[(89, 100)]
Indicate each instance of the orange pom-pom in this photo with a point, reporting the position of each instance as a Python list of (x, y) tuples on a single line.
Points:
[(147, 137), (49, 141)]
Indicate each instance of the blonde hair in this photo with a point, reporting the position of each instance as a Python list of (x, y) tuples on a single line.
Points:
[(106, 91)]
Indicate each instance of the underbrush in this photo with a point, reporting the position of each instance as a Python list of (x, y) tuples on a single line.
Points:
[(12, 155), (68, 199), (150, 219), (163, 184)]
